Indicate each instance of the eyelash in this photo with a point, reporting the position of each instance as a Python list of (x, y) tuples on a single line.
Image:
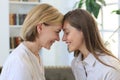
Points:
[(67, 33), (57, 31)]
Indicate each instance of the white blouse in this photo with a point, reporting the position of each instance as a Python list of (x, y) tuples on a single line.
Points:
[(22, 65), (91, 69)]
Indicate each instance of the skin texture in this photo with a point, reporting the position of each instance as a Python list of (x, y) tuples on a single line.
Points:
[(45, 39), (74, 39)]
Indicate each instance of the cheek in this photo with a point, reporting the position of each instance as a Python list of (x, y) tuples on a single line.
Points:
[(46, 34), (54, 35), (50, 37), (71, 37), (80, 40), (44, 37)]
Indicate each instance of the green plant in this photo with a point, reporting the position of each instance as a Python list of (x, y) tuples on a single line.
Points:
[(116, 11), (93, 6)]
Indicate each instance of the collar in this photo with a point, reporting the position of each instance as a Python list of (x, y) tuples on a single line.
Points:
[(89, 60)]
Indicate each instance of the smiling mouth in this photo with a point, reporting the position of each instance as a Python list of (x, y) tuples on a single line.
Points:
[(68, 44), (52, 42)]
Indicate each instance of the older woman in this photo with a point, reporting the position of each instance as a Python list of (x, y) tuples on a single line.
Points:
[(40, 29)]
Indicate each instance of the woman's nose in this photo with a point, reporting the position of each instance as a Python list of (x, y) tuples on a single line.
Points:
[(63, 38)]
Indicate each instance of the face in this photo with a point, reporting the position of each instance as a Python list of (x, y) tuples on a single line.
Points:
[(48, 35), (73, 37)]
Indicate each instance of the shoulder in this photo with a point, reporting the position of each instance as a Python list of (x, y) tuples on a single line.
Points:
[(16, 65), (113, 74), (18, 58), (106, 70), (110, 61)]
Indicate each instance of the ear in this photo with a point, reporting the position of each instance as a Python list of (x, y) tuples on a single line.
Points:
[(39, 27)]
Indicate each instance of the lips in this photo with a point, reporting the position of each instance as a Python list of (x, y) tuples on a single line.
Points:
[(52, 42), (68, 43)]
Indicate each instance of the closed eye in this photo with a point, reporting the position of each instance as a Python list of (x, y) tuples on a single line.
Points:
[(66, 33), (58, 31)]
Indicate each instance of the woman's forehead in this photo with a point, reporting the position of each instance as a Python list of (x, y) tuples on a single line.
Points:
[(66, 25)]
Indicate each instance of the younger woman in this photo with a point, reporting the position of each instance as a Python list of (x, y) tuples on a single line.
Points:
[(92, 60)]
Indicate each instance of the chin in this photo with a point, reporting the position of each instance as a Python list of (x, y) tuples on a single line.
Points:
[(70, 50), (47, 47)]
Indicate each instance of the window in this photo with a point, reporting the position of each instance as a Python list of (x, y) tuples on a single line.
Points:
[(108, 26)]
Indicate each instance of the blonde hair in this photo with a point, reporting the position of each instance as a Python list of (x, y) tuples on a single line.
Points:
[(43, 13)]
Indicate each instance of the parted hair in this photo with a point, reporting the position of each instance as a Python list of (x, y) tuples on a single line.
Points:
[(43, 13), (82, 20)]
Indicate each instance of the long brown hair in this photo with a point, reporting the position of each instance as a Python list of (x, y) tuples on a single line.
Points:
[(83, 20)]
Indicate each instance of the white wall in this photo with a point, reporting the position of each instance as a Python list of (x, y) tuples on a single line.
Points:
[(62, 5), (119, 34), (4, 31)]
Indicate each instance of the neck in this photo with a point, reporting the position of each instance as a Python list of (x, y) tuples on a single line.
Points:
[(33, 47), (84, 51)]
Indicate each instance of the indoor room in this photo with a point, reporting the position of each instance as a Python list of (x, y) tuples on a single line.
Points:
[(58, 59)]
